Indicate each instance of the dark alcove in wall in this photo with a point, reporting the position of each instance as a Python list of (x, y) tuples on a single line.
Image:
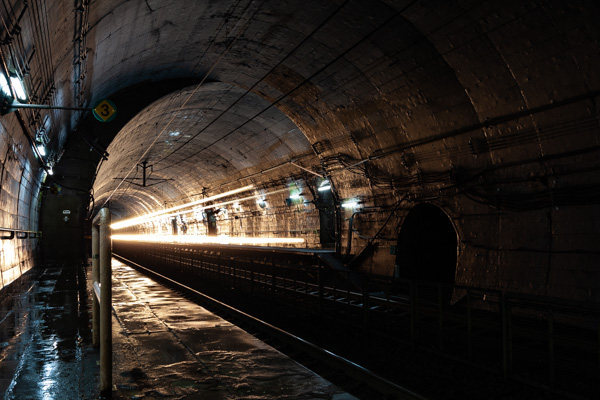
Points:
[(427, 245)]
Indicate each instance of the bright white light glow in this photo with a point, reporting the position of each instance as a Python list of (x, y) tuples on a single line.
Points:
[(195, 239), (50, 172), (350, 204), (174, 134), (18, 87), (151, 218), (295, 196), (42, 150), (147, 217), (325, 185), (4, 85)]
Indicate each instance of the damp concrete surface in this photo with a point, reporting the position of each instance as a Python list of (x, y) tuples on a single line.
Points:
[(164, 346)]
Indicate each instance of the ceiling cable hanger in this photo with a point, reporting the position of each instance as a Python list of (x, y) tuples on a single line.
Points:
[(145, 177), (214, 65)]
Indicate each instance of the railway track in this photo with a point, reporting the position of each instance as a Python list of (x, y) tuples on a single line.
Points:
[(348, 375), (549, 345)]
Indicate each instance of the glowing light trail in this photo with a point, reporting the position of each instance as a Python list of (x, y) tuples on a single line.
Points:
[(199, 239), (144, 218), (224, 203)]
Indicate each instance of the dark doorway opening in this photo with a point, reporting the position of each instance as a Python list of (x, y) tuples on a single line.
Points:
[(326, 206), (427, 246)]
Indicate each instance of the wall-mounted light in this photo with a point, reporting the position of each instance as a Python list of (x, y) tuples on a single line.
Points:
[(11, 87), (19, 88), (325, 185), (41, 149), (4, 86), (352, 203), (262, 203)]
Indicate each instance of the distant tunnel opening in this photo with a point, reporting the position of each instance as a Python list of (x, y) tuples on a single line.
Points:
[(427, 246)]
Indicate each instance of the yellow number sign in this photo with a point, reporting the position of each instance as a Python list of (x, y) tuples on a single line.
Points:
[(104, 110)]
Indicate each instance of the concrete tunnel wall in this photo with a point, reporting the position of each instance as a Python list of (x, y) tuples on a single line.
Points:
[(20, 182), (486, 111)]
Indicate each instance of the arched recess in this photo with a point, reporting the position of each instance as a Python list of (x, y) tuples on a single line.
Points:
[(427, 245)]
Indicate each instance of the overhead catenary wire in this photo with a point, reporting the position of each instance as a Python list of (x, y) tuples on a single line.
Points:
[(306, 80), (251, 88), (239, 33)]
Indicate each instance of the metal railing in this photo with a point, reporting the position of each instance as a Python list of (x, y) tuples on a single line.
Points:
[(546, 342), (9, 234), (101, 309)]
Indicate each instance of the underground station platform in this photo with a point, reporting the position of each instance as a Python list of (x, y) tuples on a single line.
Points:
[(164, 346)]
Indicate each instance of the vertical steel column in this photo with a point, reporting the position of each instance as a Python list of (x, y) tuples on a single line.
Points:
[(95, 278), (102, 220)]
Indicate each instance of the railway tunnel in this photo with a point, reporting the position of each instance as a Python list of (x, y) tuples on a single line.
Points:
[(436, 161)]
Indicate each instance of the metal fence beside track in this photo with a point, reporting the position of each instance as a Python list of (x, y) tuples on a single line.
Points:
[(546, 342)]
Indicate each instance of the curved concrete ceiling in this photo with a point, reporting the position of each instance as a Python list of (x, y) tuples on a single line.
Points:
[(415, 89), (209, 135)]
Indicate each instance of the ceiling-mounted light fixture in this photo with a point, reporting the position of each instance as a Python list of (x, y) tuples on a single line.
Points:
[(19, 88), (13, 93), (352, 203), (262, 203), (13, 96), (325, 185), (4, 86)]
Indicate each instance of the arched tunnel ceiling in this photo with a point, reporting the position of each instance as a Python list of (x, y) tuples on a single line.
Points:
[(407, 85), (204, 136)]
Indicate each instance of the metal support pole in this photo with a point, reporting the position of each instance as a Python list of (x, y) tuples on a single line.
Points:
[(95, 278), (102, 221)]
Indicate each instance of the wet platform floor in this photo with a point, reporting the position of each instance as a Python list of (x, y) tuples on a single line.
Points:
[(164, 346), (45, 339)]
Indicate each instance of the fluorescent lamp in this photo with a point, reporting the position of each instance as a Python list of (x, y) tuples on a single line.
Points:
[(350, 204), (325, 185), (41, 149), (4, 86), (18, 87), (262, 203)]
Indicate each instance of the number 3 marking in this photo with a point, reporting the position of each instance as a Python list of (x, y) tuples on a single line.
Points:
[(105, 110)]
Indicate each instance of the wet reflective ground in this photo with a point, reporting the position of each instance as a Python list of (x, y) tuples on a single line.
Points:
[(164, 346), (168, 347), (45, 340)]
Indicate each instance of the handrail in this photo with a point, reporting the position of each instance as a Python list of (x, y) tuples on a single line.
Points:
[(9, 234), (101, 311)]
